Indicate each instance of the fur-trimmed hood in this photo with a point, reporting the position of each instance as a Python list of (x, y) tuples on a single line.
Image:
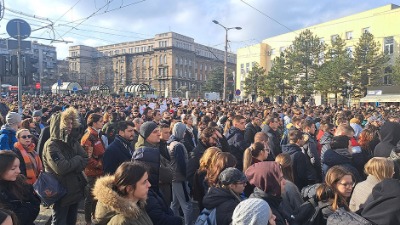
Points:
[(112, 204), (58, 123)]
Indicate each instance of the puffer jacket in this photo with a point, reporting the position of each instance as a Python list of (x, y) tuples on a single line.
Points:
[(113, 209), (224, 201), (64, 157), (7, 137), (325, 142)]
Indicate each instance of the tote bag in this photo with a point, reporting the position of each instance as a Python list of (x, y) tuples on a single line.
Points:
[(48, 188)]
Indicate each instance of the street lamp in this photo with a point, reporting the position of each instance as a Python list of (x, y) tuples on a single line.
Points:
[(226, 54)]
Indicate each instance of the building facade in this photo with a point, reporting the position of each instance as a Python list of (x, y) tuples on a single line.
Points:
[(382, 22), (170, 63)]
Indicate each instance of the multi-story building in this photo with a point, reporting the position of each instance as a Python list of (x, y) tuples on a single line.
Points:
[(46, 56), (169, 63), (382, 22)]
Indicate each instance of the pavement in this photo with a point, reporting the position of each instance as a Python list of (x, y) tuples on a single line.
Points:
[(45, 214)]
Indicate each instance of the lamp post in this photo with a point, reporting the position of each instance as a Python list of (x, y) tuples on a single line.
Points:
[(226, 54)]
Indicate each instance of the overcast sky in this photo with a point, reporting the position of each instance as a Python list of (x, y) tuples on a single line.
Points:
[(101, 22)]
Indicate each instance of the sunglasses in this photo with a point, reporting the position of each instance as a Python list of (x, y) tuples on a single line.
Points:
[(26, 136)]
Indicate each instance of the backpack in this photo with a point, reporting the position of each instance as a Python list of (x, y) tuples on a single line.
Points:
[(207, 217), (309, 213), (343, 217)]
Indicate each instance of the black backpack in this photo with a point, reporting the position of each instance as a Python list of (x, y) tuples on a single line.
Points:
[(343, 217), (309, 213)]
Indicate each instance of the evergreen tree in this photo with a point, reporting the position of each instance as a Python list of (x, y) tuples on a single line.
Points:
[(278, 76), (255, 80), (304, 57), (335, 72), (395, 75), (369, 63), (215, 82)]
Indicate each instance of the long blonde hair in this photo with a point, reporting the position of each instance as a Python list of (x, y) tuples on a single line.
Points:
[(252, 152), (208, 157)]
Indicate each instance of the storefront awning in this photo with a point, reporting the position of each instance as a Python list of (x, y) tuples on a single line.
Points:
[(381, 98)]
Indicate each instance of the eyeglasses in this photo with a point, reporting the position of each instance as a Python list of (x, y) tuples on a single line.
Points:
[(348, 185), (26, 136)]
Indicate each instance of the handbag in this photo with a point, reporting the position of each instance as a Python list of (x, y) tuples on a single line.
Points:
[(48, 188)]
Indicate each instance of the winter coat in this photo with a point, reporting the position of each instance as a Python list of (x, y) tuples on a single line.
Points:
[(94, 146), (250, 132), (325, 141), (7, 137), (64, 157), (359, 160), (194, 162), (311, 152), (119, 151), (190, 139), (389, 136), (113, 209), (300, 164), (43, 137), (334, 157), (238, 145), (224, 201), (291, 199), (362, 193), (273, 142), (25, 210), (157, 209), (384, 207), (179, 159), (273, 201)]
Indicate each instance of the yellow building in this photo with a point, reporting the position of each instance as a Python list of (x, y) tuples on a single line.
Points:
[(383, 22)]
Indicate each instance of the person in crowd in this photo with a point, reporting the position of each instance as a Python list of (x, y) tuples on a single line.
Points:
[(302, 168), (165, 184), (8, 131), (120, 150), (94, 147), (30, 125), (254, 154), (291, 198), (377, 169), (310, 149), (191, 134), (147, 151), (110, 128), (147, 114), (37, 119), (335, 193), (384, 207), (364, 140), (64, 157), (225, 196), (222, 161), (389, 136), (16, 195), (340, 154), (179, 159), (271, 129), (138, 123), (200, 185), (157, 116), (325, 141), (252, 128), (166, 118), (356, 125), (122, 196), (30, 162), (267, 177), (235, 138), (253, 211), (210, 137)]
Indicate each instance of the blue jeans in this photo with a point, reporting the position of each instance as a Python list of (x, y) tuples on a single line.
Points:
[(65, 215)]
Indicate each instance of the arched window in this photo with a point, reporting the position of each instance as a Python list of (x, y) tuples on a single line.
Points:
[(151, 62), (144, 62), (165, 59)]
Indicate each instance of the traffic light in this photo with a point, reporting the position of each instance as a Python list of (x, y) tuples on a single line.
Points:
[(344, 91), (14, 65), (30, 65)]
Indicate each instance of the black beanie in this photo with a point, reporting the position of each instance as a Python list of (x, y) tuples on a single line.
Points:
[(147, 128)]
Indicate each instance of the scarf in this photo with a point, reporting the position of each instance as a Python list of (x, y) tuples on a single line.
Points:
[(33, 164)]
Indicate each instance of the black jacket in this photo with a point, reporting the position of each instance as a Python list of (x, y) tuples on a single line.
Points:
[(237, 144), (194, 162), (384, 207), (250, 132), (273, 201), (273, 142), (190, 141), (224, 201), (299, 165), (333, 158), (43, 137), (389, 136), (117, 152), (311, 152)]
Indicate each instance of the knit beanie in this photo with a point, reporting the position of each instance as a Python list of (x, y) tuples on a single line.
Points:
[(13, 118), (252, 211), (179, 130), (231, 175), (147, 128)]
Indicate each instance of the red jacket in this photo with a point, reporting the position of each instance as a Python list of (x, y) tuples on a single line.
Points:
[(94, 147)]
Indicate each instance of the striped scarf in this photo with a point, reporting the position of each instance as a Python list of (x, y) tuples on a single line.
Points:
[(33, 164)]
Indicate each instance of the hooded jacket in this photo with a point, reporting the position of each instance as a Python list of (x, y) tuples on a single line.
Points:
[(114, 209), (384, 207), (64, 157), (238, 145), (178, 153), (224, 201), (7, 137), (299, 166), (389, 136), (157, 209)]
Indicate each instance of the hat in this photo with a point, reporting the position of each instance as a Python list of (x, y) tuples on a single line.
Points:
[(266, 176), (231, 175), (252, 211), (37, 113), (13, 118), (147, 128)]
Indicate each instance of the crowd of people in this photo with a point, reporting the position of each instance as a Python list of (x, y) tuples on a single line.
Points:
[(171, 161)]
